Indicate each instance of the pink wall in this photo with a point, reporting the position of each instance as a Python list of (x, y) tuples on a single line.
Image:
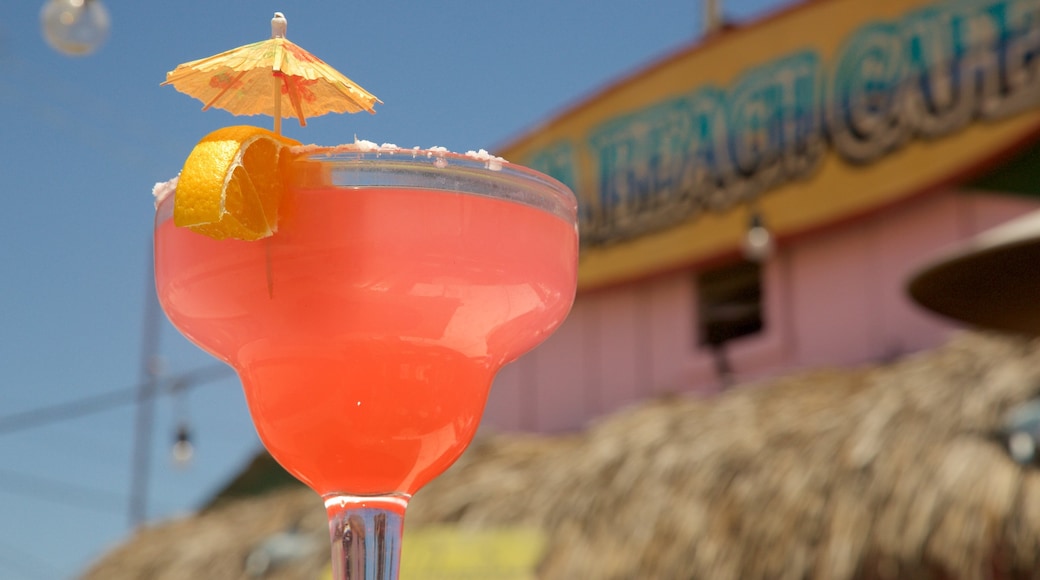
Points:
[(835, 298)]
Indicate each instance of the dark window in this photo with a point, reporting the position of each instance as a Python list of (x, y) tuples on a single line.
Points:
[(729, 303)]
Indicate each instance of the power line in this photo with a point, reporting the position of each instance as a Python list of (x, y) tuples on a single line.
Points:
[(93, 404)]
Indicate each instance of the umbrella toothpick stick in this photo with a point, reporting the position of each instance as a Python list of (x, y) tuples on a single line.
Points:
[(278, 26), (277, 104)]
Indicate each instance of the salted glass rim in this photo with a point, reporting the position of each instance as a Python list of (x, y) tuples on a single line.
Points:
[(432, 169), (352, 167)]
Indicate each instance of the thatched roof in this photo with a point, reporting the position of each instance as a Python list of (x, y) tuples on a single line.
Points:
[(889, 472)]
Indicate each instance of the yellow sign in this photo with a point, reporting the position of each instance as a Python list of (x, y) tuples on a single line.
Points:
[(448, 553), (822, 112)]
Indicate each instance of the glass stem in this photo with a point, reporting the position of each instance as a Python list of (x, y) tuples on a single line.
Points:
[(366, 536)]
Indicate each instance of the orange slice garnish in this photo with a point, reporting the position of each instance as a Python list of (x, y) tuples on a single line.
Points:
[(232, 184)]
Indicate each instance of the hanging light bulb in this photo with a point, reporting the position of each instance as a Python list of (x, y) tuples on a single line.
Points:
[(74, 27), (183, 449), (758, 241)]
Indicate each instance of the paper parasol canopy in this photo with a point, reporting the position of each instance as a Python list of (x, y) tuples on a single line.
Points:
[(272, 77)]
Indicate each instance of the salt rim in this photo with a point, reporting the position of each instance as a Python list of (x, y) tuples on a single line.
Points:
[(491, 162), (164, 189)]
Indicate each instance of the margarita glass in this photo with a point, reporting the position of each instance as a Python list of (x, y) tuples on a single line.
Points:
[(368, 329)]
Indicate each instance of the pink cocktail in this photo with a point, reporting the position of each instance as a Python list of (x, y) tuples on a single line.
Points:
[(368, 329)]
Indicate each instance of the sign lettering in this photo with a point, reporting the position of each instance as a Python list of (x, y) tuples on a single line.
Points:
[(919, 77)]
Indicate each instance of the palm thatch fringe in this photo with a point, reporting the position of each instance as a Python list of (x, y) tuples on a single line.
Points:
[(892, 472)]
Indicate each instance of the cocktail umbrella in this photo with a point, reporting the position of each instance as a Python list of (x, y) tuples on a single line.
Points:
[(271, 77)]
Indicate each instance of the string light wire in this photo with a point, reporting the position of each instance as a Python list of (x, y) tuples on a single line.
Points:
[(92, 404)]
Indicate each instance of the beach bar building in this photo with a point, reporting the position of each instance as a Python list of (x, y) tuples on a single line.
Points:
[(753, 204)]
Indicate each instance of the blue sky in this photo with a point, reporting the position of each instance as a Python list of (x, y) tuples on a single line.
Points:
[(83, 141)]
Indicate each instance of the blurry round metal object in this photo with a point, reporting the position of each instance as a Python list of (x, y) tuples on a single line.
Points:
[(992, 281)]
